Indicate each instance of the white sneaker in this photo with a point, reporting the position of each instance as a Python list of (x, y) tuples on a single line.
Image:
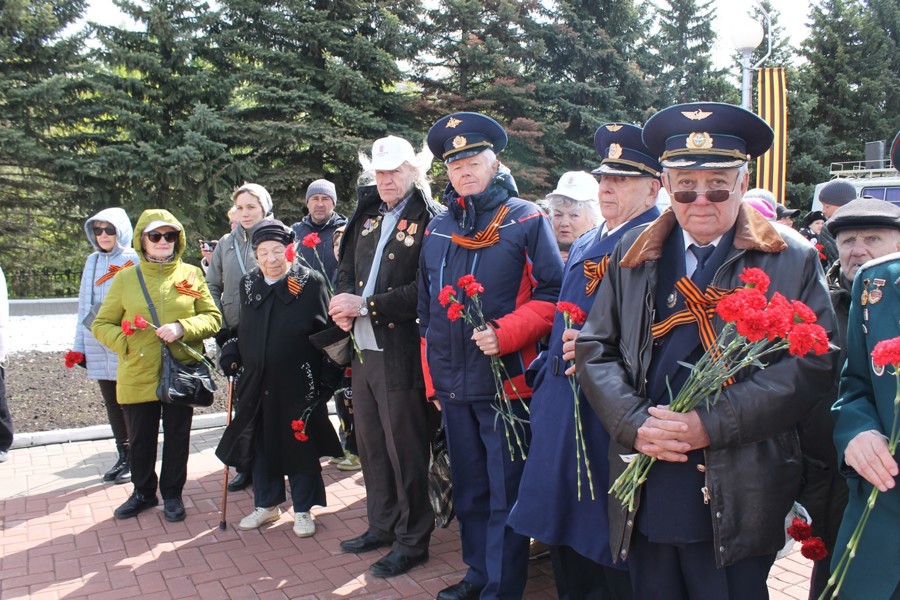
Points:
[(304, 526), (259, 517)]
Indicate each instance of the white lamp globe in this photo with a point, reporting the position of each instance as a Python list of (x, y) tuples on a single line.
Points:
[(747, 34)]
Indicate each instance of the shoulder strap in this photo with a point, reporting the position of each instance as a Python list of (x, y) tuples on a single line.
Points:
[(150, 304), (237, 252)]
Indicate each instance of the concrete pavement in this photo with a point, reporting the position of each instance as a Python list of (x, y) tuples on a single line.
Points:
[(59, 539)]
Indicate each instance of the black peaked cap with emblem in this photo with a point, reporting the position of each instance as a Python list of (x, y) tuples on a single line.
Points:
[(465, 134), (864, 213), (706, 135), (623, 153)]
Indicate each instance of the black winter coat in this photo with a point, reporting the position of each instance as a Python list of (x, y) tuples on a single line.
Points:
[(282, 375), (392, 307), (753, 462)]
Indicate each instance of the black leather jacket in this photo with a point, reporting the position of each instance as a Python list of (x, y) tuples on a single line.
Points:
[(753, 463), (392, 306)]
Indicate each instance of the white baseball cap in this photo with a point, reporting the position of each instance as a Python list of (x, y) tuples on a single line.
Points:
[(577, 185), (160, 223), (390, 152)]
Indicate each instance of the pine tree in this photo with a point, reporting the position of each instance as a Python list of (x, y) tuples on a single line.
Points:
[(317, 82), (589, 75), (848, 71), (482, 58), (162, 136), (40, 84), (682, 69)]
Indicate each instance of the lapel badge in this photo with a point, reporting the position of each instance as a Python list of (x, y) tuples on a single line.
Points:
[(670, 301), (409, 241), (401, 226), (864, 297), (400, 236), (877, 369)]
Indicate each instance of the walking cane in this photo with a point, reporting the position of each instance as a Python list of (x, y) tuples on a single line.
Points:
[(227, 422)]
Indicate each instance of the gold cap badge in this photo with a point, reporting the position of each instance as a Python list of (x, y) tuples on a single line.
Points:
[(697, 115), (615, 151), (452, 122), (613, 127), (699, 141), (460, 141)]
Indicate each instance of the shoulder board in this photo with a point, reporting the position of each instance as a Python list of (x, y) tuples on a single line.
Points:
[(879, 261)]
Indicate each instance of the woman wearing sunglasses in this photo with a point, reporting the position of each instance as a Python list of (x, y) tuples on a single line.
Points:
[(109, 233), (186, 312)]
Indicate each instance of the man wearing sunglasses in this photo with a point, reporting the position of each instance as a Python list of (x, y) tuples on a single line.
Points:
[(710, 516)]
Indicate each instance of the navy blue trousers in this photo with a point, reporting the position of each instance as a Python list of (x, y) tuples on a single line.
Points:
[(485, 487), (688, 572), (268, 489)]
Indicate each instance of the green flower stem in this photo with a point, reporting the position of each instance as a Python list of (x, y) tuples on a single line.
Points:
[(193, 353)]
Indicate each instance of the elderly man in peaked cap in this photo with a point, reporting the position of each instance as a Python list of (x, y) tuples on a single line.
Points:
[(506, 243), (865, 229), (553, 506), (710, 516), (376, 299)]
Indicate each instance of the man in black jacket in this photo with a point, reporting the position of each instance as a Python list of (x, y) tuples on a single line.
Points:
[(710, 516), (376, 298)]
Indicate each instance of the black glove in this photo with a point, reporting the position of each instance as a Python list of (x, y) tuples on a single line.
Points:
[(83, 363), (230, 358), (223, 336)]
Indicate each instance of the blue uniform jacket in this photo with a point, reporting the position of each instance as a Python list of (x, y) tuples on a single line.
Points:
[(521, 273), (548, 508)]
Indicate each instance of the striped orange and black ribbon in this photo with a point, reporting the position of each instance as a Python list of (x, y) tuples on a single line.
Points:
[(294, 286), (113, 269), (699, 307), (771, 167), (489, 236), (594, 271), (185, 287)]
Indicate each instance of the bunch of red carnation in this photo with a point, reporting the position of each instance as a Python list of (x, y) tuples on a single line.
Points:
[(756, 319), (811, 547), (448, 297), (73, 358), (299, 429)]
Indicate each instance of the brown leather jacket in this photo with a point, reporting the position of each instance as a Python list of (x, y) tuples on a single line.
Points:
[(753, 461)]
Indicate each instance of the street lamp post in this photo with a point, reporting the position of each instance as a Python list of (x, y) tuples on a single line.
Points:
[(747, 36)]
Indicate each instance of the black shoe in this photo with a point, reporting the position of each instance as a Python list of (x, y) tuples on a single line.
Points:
[(463, 590), (116, 470), (173, 508), (135, 505), (240, 481), (364, 543), (124, 476), (393, 563)]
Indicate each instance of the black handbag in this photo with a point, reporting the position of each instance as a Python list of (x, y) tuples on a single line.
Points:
[(186, 385), (440, 484)]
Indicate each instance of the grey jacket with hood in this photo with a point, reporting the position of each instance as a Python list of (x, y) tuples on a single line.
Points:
[(101, 362)]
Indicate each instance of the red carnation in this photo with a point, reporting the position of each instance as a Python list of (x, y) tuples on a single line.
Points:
[(886, 352), (290, 253), (465, 280), (312, 240), (800, 530), (298, 425), (127, 329), (446, 295), (73, 358), (574, 312), (803, 313), (781, 316), (300, 436), (454, 311), (814, 549), (140, 322), (755, 279), (753, 325), (474, 288), (806, 337)]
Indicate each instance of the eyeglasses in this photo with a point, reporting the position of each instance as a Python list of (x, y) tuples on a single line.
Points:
[(108, 230), (155, 236), (688, 196)]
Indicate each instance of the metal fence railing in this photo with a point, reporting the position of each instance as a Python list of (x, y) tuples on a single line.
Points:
[(43, 283)]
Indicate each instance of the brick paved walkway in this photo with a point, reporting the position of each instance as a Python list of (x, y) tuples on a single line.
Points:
[(59, 540)]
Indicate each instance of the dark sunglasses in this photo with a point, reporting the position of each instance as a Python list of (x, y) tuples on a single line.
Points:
[(155, 236), (108, 230), (686, 197)]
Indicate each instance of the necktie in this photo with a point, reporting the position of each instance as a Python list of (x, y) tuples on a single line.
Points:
[(702, 253)]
